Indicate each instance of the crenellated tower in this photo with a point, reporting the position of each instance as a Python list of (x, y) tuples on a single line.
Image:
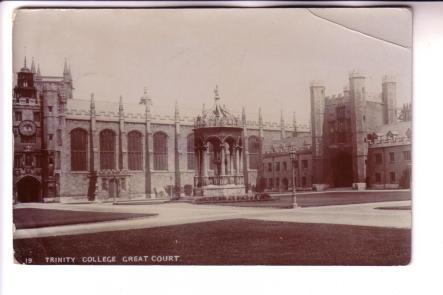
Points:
[(358, 128), (389, 100), (317, 94)]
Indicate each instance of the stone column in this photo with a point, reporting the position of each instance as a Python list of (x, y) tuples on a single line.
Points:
[(222, 156), (229, 162), (237, 159), (204, 165)]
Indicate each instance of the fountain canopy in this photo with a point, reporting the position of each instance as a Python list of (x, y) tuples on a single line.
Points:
[(217, 116)]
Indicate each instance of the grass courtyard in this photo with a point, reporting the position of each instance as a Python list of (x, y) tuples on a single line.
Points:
[(236, 241), (35, 218), (327, 199)]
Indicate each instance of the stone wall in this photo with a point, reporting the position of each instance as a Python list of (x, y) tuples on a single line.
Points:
[(385, 167), (303, 175)]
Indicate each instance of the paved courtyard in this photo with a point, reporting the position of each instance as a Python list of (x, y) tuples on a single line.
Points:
[(363, 214)]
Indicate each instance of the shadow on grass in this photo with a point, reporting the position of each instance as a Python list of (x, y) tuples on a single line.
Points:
[(231, 242), (35, 218)]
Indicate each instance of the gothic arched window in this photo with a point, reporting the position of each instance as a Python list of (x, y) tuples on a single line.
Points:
[(79, 147), (254, 150), (160, 151), (107, 149), (190, 152), (135, 151)]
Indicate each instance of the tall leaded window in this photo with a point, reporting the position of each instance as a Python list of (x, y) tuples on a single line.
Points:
[(107, 149), (190, 152), (79, 143), (135, 151), (254, 150), (160, 151)]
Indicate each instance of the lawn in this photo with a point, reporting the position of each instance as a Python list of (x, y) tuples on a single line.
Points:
[(34, 218), (327, 199), (238, 242)]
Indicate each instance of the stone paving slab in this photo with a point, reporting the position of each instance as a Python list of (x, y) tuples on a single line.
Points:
[(361, 214), (183, 213)]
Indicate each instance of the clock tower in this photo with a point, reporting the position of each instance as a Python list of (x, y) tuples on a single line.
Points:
[(38, 119), (27, 128)]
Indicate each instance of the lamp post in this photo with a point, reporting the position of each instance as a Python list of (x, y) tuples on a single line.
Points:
[(292, 156)]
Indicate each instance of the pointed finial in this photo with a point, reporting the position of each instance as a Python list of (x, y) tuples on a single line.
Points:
[(260, 118), (282, 125), (33, 66), (216, 94), (38, 70), (243, 114), (92, 105), (65, 67), (294, 123), (145, 98), (25, 61), (177, 112)]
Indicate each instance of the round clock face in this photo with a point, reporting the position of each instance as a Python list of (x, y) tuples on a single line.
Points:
[(27, 128)]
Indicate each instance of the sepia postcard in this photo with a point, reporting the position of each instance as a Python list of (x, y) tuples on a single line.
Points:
[(212, 136)]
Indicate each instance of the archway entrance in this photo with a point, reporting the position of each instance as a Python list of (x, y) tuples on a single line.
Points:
[(342, 169), (28, 190)]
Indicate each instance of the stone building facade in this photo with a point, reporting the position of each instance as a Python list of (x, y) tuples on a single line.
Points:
[(280, 170), (390, 157), (348, 131), (68, 149)]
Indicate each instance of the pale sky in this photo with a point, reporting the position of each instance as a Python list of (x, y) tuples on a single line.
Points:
[(257, 57)]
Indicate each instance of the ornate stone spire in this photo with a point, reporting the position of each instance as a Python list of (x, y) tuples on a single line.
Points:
[(243, 116), (65, 67), (38, 70), (260, 123), (177, 120), (282, 125), (92, 105), (294, 123), (177, 112), (120, 105), (25, 68), (69, 72), (216, 94), (145, 98), (33, 66), (260, 118)]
